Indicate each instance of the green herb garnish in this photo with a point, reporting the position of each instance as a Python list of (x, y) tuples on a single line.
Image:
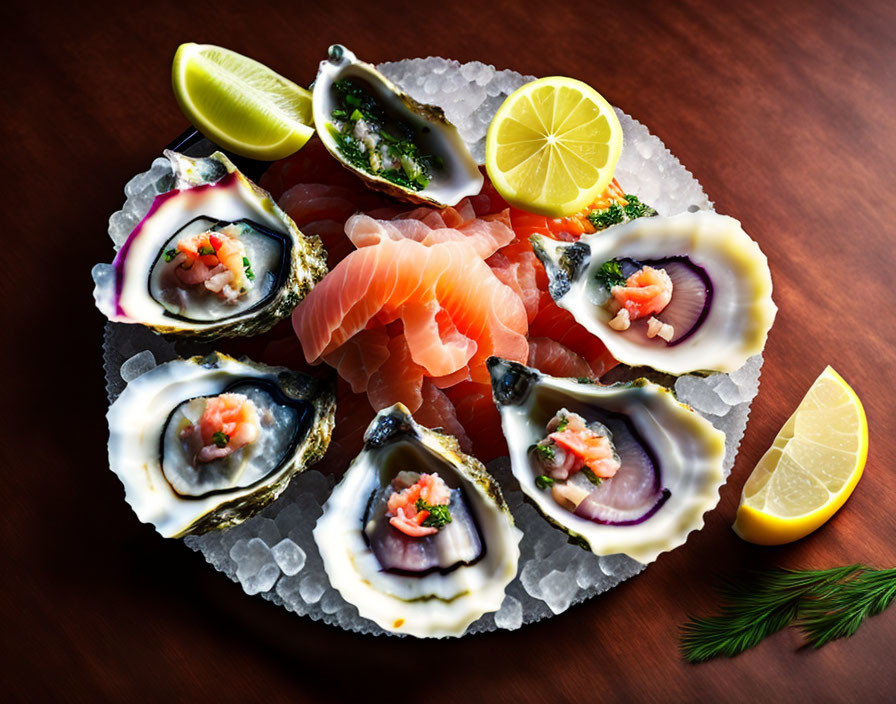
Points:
[(544, 481), (406, 166), (204, 251), (562, 425), (591, 476), (439, 515), (220, 438), (248, 267), (610, 274), (602, 219), (825, 604), (545, 452), (170, 255), (636, 209), (616, 213)]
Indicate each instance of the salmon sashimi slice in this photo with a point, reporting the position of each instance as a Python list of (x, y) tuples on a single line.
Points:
[(559, 325), (477, 413), (360, 357), (454, 310), (437, 411), (486, 235), (554, 358), (517, 267), (398, 380)]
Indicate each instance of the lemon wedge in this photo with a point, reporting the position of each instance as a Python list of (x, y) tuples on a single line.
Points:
[(811, 468), (552, 146), (240, 104)]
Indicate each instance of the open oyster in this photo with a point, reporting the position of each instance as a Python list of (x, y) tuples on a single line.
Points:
[(719, 309), (664, 460), (417, 535), (204, 443), (213, 257), (391, 141)]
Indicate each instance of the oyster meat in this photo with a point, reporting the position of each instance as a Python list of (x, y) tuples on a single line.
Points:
[(204, 443), (720, 306), (395, 144), (213, 257), (417, 535), (665, 461)]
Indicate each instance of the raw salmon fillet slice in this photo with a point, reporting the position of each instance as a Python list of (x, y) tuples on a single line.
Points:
[(551, 357), (454, 310)]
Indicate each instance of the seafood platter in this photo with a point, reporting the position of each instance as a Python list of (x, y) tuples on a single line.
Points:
[(368, 384)]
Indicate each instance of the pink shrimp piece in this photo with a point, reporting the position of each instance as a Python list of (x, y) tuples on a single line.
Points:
[(402, 505), (646, 292), (229, 422)]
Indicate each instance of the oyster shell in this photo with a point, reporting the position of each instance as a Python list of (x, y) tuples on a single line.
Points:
[(209, 195), (671, 459), (457, 177), (724, 307), (163, 481), (431, 586)]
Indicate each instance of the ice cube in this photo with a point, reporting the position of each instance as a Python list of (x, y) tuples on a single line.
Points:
[(557, 590), (313, 586), (261, 581), (289, 557), (139, 364), (510, 615)]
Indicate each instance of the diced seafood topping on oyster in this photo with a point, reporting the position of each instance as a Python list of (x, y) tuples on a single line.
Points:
[(680, 294), (417, 535), (623, 468), (391, 141), (204, 443), (215, 256)]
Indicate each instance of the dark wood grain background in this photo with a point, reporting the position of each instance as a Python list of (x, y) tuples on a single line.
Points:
[(785, 112)]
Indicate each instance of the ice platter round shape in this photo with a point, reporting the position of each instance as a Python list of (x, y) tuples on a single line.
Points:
[(274, 554)]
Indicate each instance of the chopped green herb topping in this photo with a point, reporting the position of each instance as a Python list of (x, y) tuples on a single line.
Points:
[(170, 255), (203, 251), (220, 438), (439, 515), (545, 452), (248, 267), (544, 482), (387, 150), (610, 274), (561, 426), (602, 219), (615, 213), (591, 476), (636, 209)]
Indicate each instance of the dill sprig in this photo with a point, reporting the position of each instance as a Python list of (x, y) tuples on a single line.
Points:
[(839, 615), (828, 604)]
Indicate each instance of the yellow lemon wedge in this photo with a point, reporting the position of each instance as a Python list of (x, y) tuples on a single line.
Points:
[(811, 468), (240, 104), (552, 146)]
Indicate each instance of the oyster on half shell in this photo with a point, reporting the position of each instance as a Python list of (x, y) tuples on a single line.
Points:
[(259, 268), (670, 459), (431, 585), (721, 306), (156, 448), (454, 176)]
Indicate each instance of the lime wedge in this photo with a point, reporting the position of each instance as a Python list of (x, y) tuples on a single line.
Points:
[(240, 104)]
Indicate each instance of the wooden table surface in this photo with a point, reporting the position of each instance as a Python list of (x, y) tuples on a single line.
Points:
[(785, 112)]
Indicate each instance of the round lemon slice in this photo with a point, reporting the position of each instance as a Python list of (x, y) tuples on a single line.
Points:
[(240, 104), (811, 468), (552, 146)]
